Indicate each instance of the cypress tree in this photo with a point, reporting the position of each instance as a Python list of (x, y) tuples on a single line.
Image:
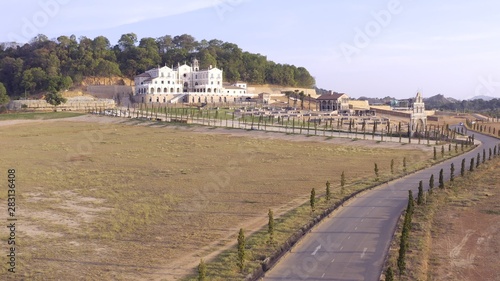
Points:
[(420, 196), (489, 154), (495, 148), (202, 271), (441, 179), (484, 155), (478, 160), (435, 153), (389, 275), (376, 172), (342, 183), (312, 199), (471, 168), (404, 164), (452, 172), (270, 226), (462, 168), (328, 193), (442, 151), (392, 166), (241, 250), (431, 182)]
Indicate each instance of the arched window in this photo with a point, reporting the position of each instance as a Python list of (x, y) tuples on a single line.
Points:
[(165, 90)]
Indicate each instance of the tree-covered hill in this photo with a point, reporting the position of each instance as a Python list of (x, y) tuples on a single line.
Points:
[(57, 64)]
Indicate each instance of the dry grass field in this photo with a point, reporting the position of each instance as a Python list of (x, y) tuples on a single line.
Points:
[(101, 200), (456, 235)]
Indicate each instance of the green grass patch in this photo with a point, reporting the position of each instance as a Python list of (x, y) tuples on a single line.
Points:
[(38, 115)]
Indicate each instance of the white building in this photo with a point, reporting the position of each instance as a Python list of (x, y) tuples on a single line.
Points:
[(185, 84)]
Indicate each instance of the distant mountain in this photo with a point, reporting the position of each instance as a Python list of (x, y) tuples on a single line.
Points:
[(438, 101), (485, 98)]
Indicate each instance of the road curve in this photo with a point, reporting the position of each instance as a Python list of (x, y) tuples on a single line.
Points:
[(353, 243)]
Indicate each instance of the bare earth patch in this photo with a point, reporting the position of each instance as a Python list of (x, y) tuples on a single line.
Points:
[(466, 233)]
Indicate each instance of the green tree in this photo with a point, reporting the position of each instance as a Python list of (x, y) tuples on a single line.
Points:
[(441, 179), (431, 182), (435, 153), (462, 168), (442, 151), (452, 172), (241, 250), (328, 192), (478, 160), (4, 98), (202, 271), (55, 99), (471, 168), (376, 172), (270, 226), (389, 274), (312, 200), (392, 166), (404, 164), (420, 196), (342, 183), (484, 155)]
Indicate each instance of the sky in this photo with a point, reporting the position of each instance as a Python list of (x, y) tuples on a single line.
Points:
[(373, 48)]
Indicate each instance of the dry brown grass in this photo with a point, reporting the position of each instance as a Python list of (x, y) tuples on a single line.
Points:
[(114, 201), (456, 235)]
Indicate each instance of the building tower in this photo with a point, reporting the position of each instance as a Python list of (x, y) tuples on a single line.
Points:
[(196, 65), (418, 117)]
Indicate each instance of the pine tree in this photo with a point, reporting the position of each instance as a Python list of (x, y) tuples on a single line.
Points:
[(376, 172), (452, 172), (420, 196), (462, 168), (241, 250), (441, 179), (202, 271), (312, 200), (328, 193), (270, 226)]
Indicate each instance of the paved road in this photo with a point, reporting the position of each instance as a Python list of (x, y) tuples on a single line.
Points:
[(353, 243)]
